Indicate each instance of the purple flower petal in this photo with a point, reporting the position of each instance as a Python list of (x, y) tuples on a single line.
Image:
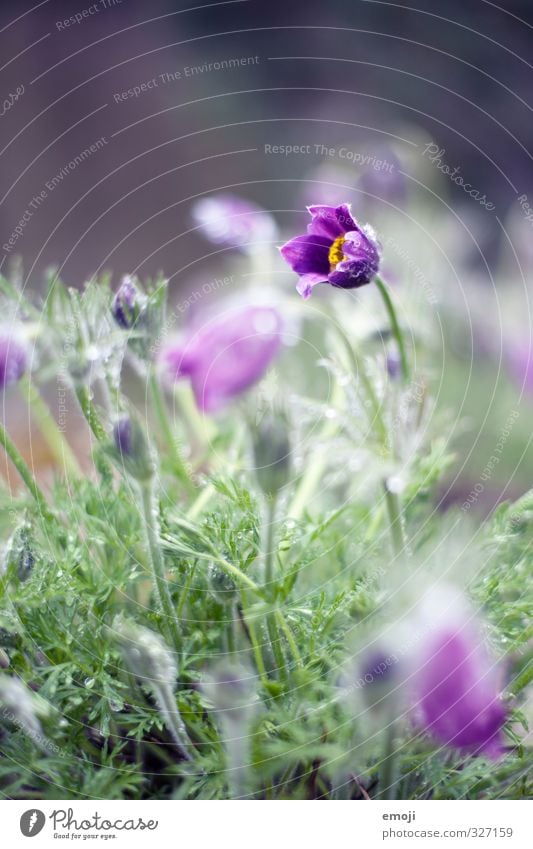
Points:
[(308, 255), (306, 283), (457, 694), (330, 221), (13, 360), (361, 262), (228, 355)]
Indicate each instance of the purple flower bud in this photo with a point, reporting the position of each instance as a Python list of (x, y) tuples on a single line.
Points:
[(336, 250), (227, 355), (456, 691), (122, 436), (13, 359), (131, 449), (127, 304), (393, 365), (229, 220)]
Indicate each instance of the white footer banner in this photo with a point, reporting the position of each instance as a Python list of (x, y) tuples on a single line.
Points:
[(263, 824)]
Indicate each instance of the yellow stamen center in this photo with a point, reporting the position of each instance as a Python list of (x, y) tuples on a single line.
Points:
[(336, 254)]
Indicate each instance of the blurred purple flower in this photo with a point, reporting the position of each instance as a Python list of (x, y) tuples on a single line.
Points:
[(383, 182), (227, 355), (456, 691), (335, 250), (520, 365), (328, 184), (229, 220), (13, 359)]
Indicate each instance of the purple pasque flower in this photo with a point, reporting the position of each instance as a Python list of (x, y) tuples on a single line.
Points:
[(227, 355), (226, 219), (335, 250), (456, 692), (13, 358)]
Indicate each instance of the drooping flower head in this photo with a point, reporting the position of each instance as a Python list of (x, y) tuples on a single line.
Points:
[(456, 689), (13, 358), (229, 220), (227, 355), (335, 250)]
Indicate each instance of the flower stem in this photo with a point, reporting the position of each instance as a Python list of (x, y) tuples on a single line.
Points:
[(157, 565), (315, 469), (209, 489), (56, 440), (256, 648), (395, 520), (167, 706), (388, 770), (268, 552), (395, 327), (89, 411), (178, 466), (359, 371), (269, 586), (14, 455)]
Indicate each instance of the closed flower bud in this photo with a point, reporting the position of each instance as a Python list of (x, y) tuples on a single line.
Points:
[(19, 558), (23, 708), (231, 690), (145, 653), (272, 454), (221, 585), (128, 304), (148, 657), (131, 449), (13, 358)]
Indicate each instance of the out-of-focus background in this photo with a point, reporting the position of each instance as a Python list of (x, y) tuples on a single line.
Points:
[(116, 116)]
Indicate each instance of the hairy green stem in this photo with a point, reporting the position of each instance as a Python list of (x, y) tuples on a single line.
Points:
[(55, 439), (388, 765), (359, 370), (172, 716), (395, 520), (395, 326), (157, 565), (178, 466), (315, 469), (14, 455), (89, 411), (269, 585), (256, 648)]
